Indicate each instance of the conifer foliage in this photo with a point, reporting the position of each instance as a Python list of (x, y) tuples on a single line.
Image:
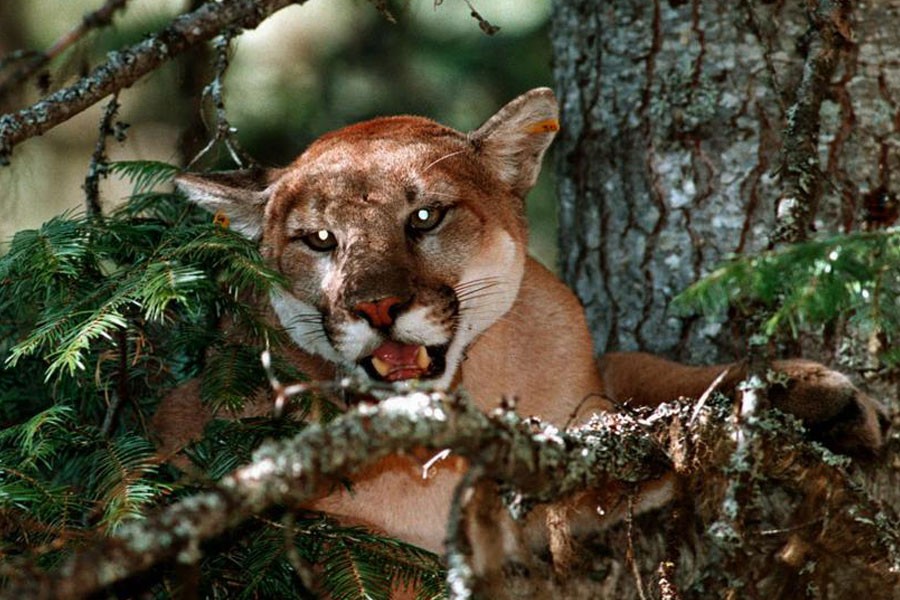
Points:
[(854, 277), (100, 316)]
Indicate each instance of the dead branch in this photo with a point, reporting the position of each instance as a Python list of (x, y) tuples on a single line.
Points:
[(223, 131), (99, 165), (125, 67), (33, 62), (829, 34)]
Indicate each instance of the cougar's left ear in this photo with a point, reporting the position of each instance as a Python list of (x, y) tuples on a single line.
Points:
[(240, 196), (514, 140)]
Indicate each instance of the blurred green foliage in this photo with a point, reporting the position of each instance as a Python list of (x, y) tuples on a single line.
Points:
[(307, 70)]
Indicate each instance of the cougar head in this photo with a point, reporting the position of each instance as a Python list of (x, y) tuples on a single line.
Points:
[(402, 240)]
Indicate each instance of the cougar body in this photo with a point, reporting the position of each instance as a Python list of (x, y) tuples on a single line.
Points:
[(404, 245)]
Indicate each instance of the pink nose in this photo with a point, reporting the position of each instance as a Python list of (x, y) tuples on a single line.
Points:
[(379, 313)]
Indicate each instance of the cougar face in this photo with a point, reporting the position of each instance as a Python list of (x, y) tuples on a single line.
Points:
[(402, 240)]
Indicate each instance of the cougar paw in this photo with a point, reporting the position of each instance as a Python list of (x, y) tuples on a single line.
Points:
[(835, 411)]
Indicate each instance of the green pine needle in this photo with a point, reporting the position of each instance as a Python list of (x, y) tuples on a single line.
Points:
[(144, 174), (855, 277), (119, 308), (125, 472)]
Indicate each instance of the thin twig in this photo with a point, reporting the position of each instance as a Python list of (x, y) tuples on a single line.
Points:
[(629, 551), (121, 395), (35, 61), (223, 131), (701, 402), (99, 166), (303, 569), (486, 26), (382, 7)]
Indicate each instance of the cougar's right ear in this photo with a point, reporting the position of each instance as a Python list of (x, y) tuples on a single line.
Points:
[(240, 196), (513, 141)]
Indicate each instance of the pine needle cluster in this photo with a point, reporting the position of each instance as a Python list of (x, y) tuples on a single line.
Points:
[(855, 278), (100, 317)]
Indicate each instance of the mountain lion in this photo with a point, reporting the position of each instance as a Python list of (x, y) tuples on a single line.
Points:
[(404, 245)]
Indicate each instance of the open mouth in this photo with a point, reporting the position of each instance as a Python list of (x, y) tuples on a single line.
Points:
[(393, 361)]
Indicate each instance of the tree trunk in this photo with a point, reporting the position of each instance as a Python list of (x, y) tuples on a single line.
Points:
[(674, 117), (680, 121)]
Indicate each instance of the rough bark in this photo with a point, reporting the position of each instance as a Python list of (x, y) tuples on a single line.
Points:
[(677, 116), (689, 131)]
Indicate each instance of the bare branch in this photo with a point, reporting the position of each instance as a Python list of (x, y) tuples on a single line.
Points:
[(829, 34), (540, 462), (35, 61), (486, 26), (99, 161), (125, 67), (224, 132)]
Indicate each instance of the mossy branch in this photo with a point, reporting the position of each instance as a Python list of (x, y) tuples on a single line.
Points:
[(802, 180), (124, 67), (537, 459), (534, 458), (31, 63)]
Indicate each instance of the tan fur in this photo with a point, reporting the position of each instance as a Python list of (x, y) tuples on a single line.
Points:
[(523, 335)]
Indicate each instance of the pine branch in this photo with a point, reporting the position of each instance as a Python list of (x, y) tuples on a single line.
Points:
[(144, 174), (854, 277), (125, 67)]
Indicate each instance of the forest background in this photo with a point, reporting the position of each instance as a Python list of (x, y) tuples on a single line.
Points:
[(308, 70)]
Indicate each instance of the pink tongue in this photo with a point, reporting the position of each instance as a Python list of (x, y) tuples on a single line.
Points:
[(397, 355)]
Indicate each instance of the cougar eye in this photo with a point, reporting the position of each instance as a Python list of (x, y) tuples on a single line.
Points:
[(320, 241), (427, 218)]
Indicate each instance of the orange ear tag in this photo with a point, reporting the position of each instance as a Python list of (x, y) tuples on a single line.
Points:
[(545, 126), (221, 219)]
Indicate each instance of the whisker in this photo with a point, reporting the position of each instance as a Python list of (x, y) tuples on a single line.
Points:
[(477, 285), (307, 317), (309, 321), (445, 157), (315, 336), (484, 289), (479, 280)]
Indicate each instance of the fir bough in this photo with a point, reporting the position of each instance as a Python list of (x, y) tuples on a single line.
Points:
[(854, 276), (100, 317)]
